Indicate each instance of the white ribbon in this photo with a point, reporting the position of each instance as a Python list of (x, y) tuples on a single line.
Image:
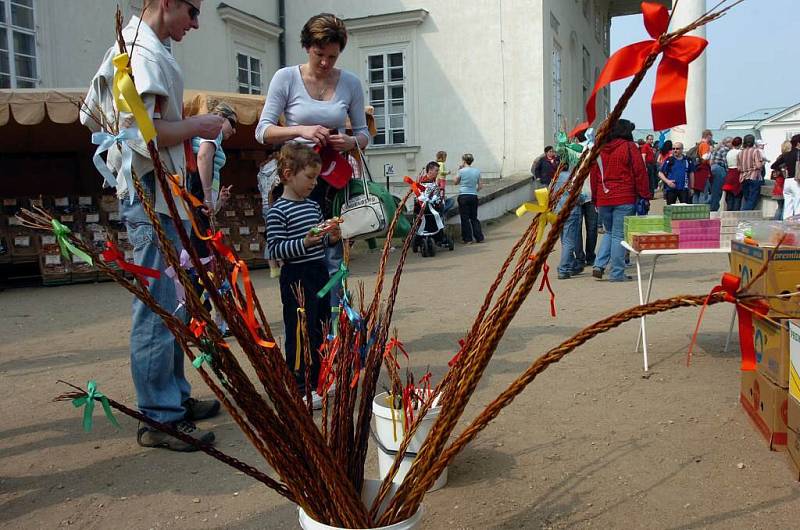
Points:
[(104, 141)]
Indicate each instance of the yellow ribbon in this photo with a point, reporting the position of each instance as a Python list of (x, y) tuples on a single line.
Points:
[(127, 98), (298, 333), (541, 206)]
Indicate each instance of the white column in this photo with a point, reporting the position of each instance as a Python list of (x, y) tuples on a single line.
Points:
[(687, 12)]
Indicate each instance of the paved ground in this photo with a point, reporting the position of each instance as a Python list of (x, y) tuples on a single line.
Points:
[(591, 443)]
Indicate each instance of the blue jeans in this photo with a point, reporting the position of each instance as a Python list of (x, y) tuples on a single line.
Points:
[(611, 250), (156, 357), (569, 241), (751, 189), (717, 180)]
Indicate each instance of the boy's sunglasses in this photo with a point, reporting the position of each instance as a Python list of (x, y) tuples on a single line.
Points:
[(193, 11)]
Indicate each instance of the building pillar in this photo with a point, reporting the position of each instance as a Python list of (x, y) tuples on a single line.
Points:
[(687, 12)]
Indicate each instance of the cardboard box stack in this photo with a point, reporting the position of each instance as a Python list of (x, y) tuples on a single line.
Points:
[(643, 224), (767, 394), (684, 212), (654, 241), (697, 233), (729, 221), (242, 223)]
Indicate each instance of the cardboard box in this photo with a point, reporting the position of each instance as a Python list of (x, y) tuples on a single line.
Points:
[(771, 344), (660, 240), (782, 276), (794, 358), (793, 452), (767, 406), (793, 415)]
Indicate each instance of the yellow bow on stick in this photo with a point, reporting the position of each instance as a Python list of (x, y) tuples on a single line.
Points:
[(541, 206), (127, 98)]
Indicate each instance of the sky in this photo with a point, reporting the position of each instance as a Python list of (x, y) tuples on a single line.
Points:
[(749, 61)]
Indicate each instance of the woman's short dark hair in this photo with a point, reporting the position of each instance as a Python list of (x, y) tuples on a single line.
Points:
[(468, 158), (795, 140), (548, 148), (736, 142), (324, 29), (431, 165), (667, 147), (622, 128), (748, 141)]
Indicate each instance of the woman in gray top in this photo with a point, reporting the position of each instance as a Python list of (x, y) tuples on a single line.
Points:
[(315, 99)]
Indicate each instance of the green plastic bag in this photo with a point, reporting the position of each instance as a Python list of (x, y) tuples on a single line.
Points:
[(389, 204)]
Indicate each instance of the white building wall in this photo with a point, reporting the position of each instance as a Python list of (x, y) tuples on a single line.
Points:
[(71, 42)]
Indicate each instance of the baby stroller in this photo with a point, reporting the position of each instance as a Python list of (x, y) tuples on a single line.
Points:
[(431, 232)]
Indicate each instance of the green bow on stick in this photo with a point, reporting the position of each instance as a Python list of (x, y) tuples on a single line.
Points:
[(206, 355), (338, 277), (62, 232), (568, 151), (87, 402)]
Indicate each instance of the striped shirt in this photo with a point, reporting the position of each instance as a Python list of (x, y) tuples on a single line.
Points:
[(288, 222), (720, 156), (750, 164)]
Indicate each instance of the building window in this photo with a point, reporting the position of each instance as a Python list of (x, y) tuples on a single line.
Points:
[(386, 86), (249, 74), (18, 67), (556, 87), (587, 72)]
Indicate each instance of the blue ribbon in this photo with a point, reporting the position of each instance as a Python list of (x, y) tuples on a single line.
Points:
[(589, 134), (104, 141)]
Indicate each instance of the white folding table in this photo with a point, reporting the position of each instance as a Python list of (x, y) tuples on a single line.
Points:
[(645, 297)]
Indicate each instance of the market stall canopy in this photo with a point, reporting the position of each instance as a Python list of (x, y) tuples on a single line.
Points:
[(31, 106)]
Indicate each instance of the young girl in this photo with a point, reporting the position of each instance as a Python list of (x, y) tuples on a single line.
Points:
[(292, 237), (441, 177)]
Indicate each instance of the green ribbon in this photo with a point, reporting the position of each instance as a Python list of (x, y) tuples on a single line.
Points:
[(202, 358), (567, 150), (87, 402), (338, 277), (61, 232), (206, 356)]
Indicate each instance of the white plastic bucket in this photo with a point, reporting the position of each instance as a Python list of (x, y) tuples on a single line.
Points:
[(368, 494), (390, 433), (385, 461)]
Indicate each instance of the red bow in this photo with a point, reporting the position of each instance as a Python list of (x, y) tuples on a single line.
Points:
[(112, 253), (669, 99), (457, 356), (744, 311)]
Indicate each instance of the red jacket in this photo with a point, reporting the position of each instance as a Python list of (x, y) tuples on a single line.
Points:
[(624, 176)]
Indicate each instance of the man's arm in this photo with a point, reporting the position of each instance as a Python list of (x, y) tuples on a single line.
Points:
[(171, 133)]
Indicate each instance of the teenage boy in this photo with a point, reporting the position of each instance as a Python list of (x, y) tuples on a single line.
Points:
[(162, 391), (677, 174)]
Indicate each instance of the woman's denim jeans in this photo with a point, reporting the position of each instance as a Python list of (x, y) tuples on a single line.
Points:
[(611, 249)]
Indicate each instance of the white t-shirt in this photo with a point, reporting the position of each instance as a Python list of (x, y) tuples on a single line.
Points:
[(733, 158)]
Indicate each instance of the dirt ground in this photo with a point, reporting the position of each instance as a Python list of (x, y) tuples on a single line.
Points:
[(591, 443)]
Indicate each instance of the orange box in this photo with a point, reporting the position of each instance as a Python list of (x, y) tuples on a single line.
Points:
[(767, 406)]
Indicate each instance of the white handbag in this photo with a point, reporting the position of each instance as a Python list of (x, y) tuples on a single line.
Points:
[(363, 216)]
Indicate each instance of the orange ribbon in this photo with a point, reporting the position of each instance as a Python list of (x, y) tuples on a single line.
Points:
[(223, 249), (248, 312), (669, 99), (112, 253), (326, 374), (415, 186), (744, 311)]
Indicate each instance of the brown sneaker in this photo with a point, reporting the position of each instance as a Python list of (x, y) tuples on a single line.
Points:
[(147, 437), (197, 409)]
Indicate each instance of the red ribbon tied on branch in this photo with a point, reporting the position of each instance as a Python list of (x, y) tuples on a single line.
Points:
[(744, 311), (669, 99), (112, 253)]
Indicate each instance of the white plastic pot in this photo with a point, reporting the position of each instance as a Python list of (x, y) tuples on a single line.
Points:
[(390, 433), (368, 494), (386, 459)]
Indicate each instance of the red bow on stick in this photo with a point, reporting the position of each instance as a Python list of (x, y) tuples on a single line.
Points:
[(112, 253), (669, 99), (744, 311)]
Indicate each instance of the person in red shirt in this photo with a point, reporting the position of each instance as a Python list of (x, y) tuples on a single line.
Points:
[(649, 157), (618, 179)]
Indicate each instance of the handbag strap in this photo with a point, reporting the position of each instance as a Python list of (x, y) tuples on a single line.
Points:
[(363, 172)]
